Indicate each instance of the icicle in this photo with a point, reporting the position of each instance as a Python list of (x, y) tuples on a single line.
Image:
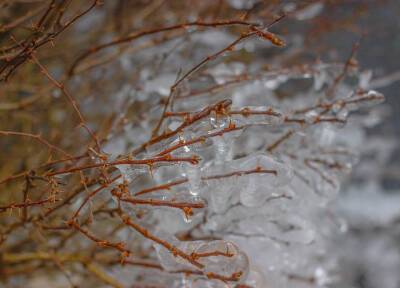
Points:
[(193, 173)]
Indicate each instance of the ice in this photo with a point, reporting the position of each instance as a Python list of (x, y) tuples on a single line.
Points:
[(254, 195), (193, 173), (221, 196), (320, 79), (367, 99), (131, 172), (311, 115), (255, 279), (277, 173), (223, 151), (295, 229), (325, 135), (266, 216), (167, 260), (225, 259), (365, 79)]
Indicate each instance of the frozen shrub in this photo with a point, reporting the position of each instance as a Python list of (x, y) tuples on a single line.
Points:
[(207, 150)]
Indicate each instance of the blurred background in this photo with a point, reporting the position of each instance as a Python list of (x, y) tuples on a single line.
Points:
[(370, 201)]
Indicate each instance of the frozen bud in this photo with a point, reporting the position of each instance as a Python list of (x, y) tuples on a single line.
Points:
[(269, 171), (311, 116), (367, 99), (259, 115), (337, 106), (342, 115)]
